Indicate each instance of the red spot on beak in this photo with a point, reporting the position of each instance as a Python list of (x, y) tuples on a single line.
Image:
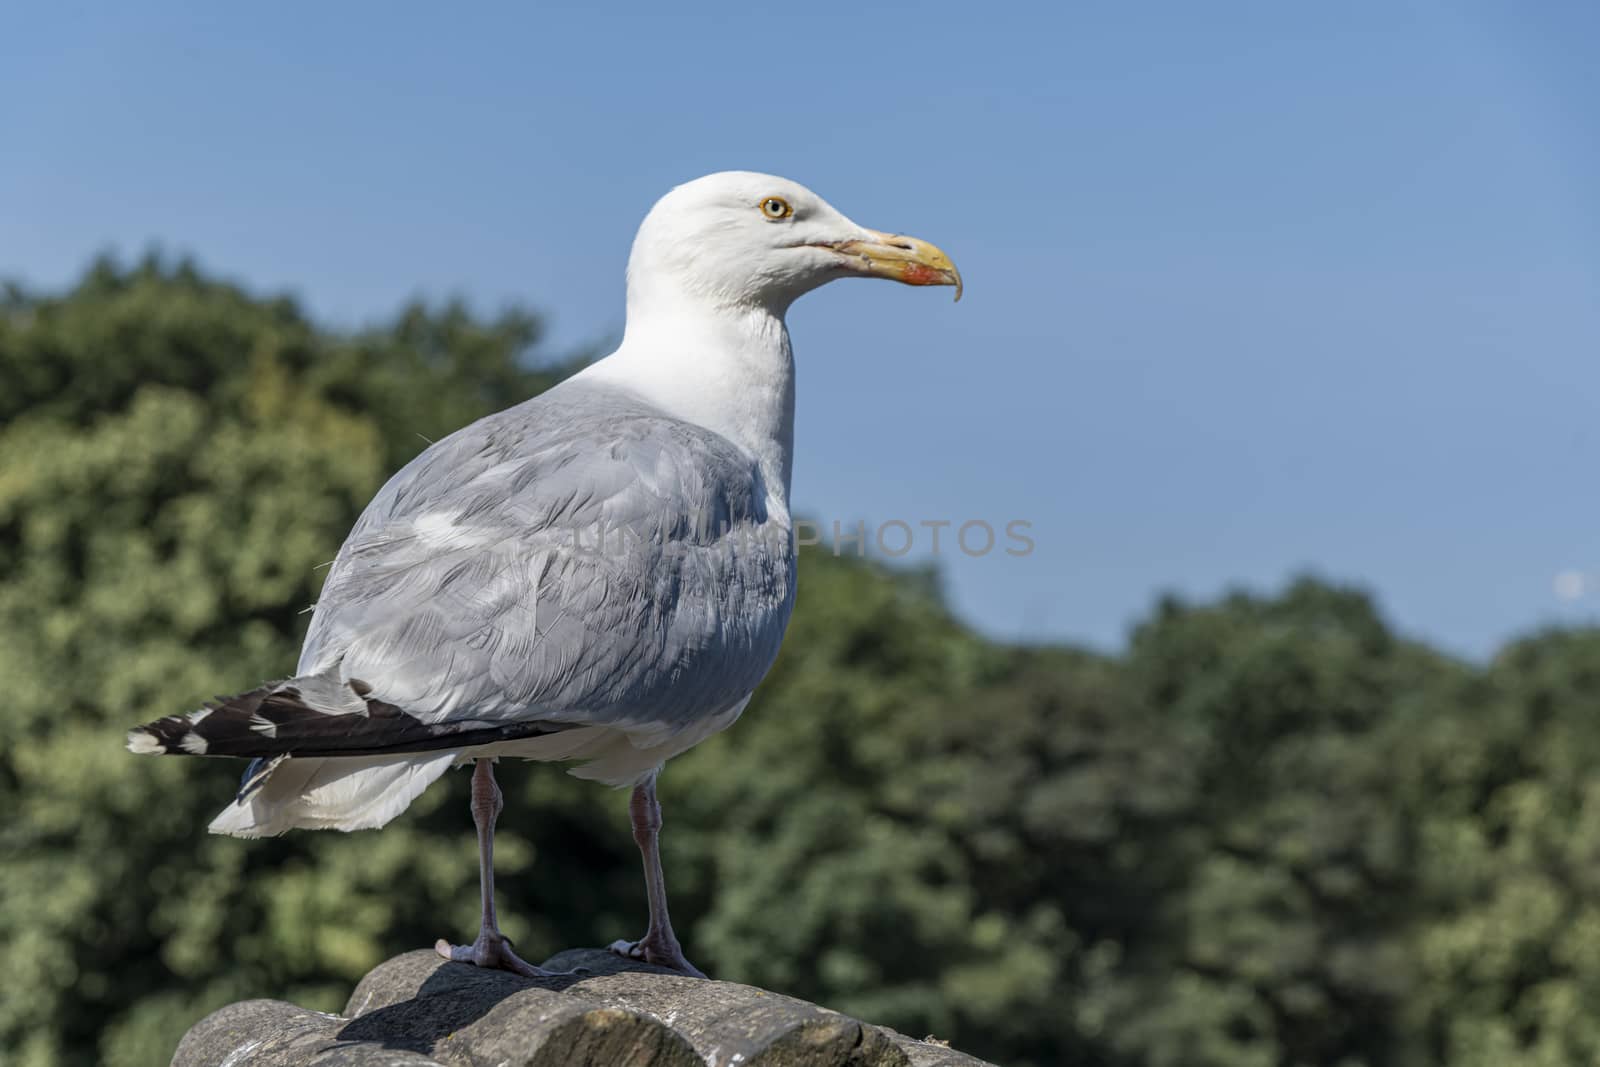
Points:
[(917, 274)]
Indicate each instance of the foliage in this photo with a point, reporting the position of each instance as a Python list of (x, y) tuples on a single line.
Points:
[(1269, 833)]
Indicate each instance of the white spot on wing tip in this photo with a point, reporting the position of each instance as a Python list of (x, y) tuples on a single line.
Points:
[(193, 744), (264, 726), (199, 716), (143, 742)]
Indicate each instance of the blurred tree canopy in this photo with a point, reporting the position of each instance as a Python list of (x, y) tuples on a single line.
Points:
[(1272, 833)]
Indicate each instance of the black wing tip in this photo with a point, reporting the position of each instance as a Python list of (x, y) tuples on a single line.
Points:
[(173, 735), (197, 733), (276, 721)]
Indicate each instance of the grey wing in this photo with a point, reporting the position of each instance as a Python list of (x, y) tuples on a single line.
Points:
[(577, 559)]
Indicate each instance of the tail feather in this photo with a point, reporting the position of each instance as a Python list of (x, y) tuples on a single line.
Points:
[(361, 793), (315, 715)]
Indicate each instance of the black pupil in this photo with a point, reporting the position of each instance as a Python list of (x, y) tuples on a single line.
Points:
[(774, 207)]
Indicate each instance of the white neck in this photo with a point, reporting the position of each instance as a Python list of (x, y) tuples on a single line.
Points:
[(729, 369)]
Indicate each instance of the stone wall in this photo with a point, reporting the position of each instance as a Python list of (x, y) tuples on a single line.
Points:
[(416, 1010)]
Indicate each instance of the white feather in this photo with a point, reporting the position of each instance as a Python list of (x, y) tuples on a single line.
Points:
[(352, 793), (144, 743)]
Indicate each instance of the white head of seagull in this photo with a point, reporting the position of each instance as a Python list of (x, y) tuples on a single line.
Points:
[(739, 240), (715, 265)]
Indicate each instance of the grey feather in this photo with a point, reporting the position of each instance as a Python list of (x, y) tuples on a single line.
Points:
[(581, 558)]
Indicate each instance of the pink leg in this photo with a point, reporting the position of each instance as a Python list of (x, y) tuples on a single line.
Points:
[(492, 949), (659, 944)]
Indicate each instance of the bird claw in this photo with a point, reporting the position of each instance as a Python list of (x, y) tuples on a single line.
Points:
[(492, 950), (657, 953)]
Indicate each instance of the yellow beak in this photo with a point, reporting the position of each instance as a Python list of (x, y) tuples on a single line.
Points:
[(905, 259)]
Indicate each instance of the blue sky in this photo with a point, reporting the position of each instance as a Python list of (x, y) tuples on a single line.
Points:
[(1253, 288)]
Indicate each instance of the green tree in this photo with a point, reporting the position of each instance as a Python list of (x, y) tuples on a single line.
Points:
[(1284, 941), (1509, 805)]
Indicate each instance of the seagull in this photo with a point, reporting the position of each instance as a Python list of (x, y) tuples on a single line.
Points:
[(600, 575)]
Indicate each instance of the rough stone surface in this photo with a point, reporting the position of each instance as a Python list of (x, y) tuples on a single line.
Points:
[(419, 1011)]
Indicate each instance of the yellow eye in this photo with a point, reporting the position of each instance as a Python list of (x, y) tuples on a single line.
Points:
[(776, 207)]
